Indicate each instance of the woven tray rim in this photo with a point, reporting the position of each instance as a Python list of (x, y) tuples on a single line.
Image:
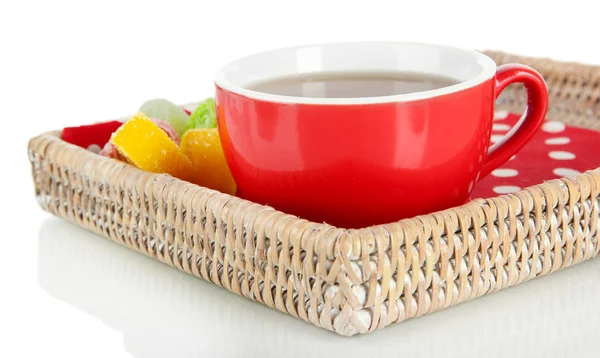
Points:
[(53, 137)]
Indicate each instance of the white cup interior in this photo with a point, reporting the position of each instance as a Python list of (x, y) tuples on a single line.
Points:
[(468, 68)]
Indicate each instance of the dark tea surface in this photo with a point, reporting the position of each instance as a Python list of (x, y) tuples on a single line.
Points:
[(351, 84)]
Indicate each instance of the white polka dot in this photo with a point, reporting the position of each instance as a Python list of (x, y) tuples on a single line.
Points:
[(561, 155), (500, 127), (558, 141), (563, 172), (505, 173), (470, 186), (496, 138), (553, 127), (513, 157), (506, 189), (500, 114)]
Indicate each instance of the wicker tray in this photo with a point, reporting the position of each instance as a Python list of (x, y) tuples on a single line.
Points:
[(347, 281)]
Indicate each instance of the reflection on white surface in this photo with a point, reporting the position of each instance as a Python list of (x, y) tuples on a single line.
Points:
[(166, 313)]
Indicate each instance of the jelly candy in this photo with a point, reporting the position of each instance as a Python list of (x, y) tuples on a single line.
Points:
[(204, 116), (167, 111), (111, 151), (92, 134), (145, 145), (167, 128), (203, 148)]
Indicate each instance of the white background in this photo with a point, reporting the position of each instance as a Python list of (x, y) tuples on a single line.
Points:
[(67, 293)]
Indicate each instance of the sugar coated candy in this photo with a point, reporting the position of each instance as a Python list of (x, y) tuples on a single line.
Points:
[(204, 116), (167, 128), (162, 109), (145, 145), (203, 148), (111, 151)]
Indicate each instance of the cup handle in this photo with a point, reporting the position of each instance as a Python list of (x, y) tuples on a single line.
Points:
[(535, 113)]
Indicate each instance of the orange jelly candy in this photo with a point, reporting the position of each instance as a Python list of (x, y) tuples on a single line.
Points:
[(145, 145), (203, 147)]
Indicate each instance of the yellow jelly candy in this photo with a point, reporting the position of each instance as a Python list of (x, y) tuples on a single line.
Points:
[(203, 147), (145, 145)]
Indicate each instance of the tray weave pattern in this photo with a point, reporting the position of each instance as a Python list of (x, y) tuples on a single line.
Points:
[(346, 281)]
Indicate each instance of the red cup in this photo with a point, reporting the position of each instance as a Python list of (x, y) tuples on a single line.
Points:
[(354, 162)]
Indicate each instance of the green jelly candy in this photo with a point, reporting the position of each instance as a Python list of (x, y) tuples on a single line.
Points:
[(204, 116)]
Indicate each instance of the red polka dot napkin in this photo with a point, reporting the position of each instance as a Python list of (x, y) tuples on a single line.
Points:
[(555, 151)]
